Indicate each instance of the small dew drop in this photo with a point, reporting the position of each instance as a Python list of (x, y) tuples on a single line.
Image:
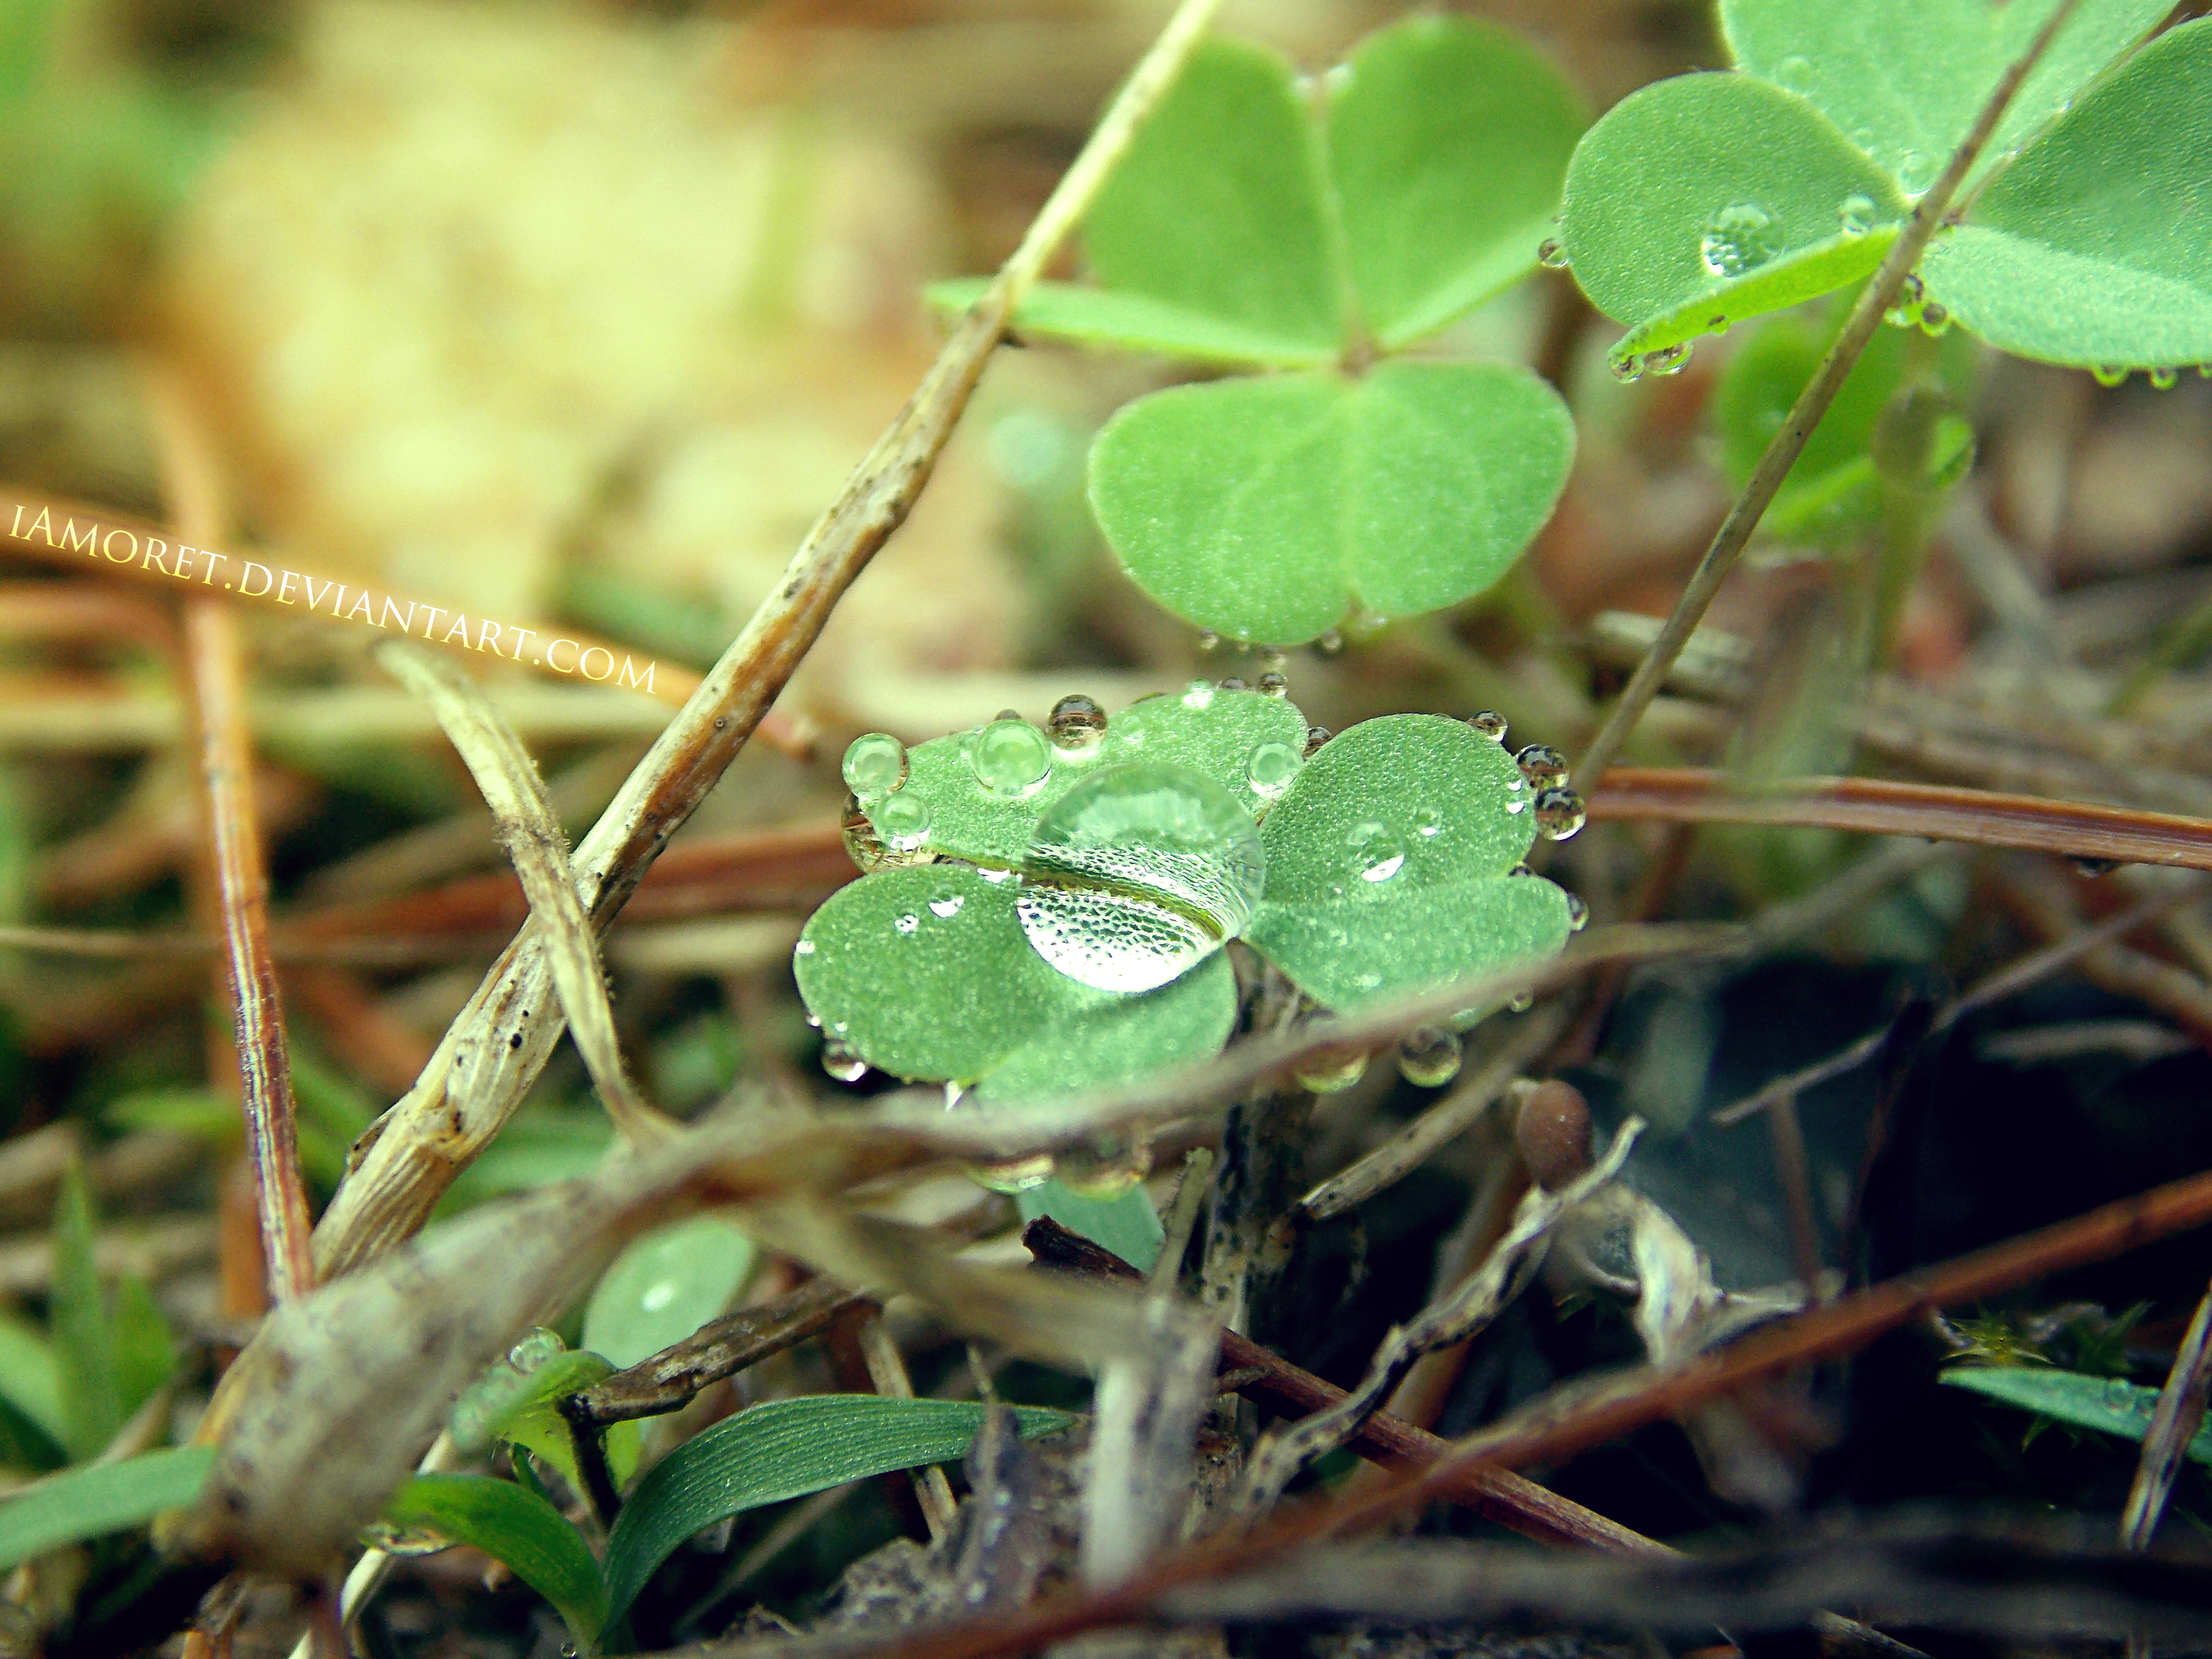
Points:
[(1916, 171), (1794, 72), (902, 820), (994, 877), (1076, 724), (804, 948), (1014, 1175), (875, 764), (840, 1062), (1560, 814), (1315, 736), (1553, 253), (862, 845), (1627, 370), (1543, 766), (1577, 913), (1517, 806), (1667, 360), (1428, 1058), (1739, 237), (1329, 1071), (1377, 853), (1855, 213), (1935, 318), (2110, 374), (2162, 380), (1522, 1004), (535, 1349), (1716, 325), (1270, 767), (947, 906), (1010, 757), (1428, 823), (907, 923), (1208, 639), (1520, 870), (1234, 683), (1489, 723), (1329, 643), (2093, 868), (1273, 684), (1105, 1168), (1199, 694)]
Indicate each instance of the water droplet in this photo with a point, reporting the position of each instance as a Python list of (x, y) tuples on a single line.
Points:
[(535, 1349), (1911, 296), (1489, 723), (813, 1020), (1428, 1057), (1234, 683), (1560, 814), (1741, 236), (1273, 684), (1794, 72), (1076, 724), (1577, 913), (1270, 767), (1428, 823), (1199, 694), (1626, 370), (875, 764), (1522, 1004), (1105, 1168), (901, 819), (1137, 874), (1553, 253), (1935, 318), (1273, 659), (1517, 806), (1916, 171), (804, 948), (1855, 213), (2110, 374), (994, 877), (948, 905), (862, 845), (1329, 643), (1717, 325), (842, 1062), (1208, 639), (1375, 851), (1543, 766), (1014, 1175), (1520, 870), (1315, 736), (2162, 380), (907, 923), (1667, 360), (1011, 757), (2093, 868), (1327, 1071)]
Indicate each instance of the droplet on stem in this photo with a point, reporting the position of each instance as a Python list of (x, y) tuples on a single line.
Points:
[(1329, 1071), (875, 764), (842, 1062), (1553, 254), (1429, 1056)]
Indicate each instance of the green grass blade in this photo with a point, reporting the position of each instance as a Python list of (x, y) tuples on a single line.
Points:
[(84, 1341), (2106, 1404), (30, 1375), (99, 1497), (783, 1449), (512, 1524)]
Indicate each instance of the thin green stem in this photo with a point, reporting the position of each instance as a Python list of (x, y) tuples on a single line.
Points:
[(1782, 453)]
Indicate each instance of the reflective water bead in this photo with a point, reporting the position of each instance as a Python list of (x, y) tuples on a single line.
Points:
[(1543, 766), (1667, 360), (1199, 694), (1428, 1058), (1234, 683), (1489, 723), (862, 845), (947, 905), (1137, 874), (1520, 870), (1855, 213), (1577, 913), (1076, 724), (1627, 370), (1273, 684), (804, 948), (1327, 1070), (1377, 853), (1013, 1174), (1522, 1004), (1329, 643), (1794, 72), (2162, 380), (1011, 757), (1739, 237), (1270, 767), (1428, 823), (1935, 318), (2110, 374), (1315, 736), (875, 764), (1104, 1168), (1553, 253), (1208, 639), (901, 819), (842, 1062), (907, 923), (535, 1349), (1916, 171), (1560, 814)]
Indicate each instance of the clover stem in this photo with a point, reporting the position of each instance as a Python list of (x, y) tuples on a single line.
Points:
[(1789, 442)]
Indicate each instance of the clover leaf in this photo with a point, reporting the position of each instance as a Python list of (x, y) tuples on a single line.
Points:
[(1256, 222), (1708, 199), (932, 970)]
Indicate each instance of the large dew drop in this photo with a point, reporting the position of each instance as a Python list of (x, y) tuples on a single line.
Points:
[(1010, 757), (1136, 875), (1739, 237), (875, 764)]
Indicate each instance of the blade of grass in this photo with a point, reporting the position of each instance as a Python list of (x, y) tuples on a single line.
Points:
[(1789, 440), (532, 836), (98, 1498), (512, 1524)]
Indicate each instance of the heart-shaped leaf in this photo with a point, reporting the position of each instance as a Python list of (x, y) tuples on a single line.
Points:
[(927, 973), (1706, 200), (2093, 248), (1216, 211), (666, 1285), (1388, 862), (1267, 508), (1139, 322), (514, 1525), (1905, 78), (1448, 144)]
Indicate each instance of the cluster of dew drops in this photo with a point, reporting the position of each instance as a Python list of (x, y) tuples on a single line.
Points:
[(885, 825)]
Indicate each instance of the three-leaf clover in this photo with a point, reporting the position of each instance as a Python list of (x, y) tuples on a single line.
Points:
[(1066, 931), (1708, 199), (1306, 228)]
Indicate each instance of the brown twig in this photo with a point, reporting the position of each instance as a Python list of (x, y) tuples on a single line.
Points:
[(1789, 440), (2173, 1424)]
